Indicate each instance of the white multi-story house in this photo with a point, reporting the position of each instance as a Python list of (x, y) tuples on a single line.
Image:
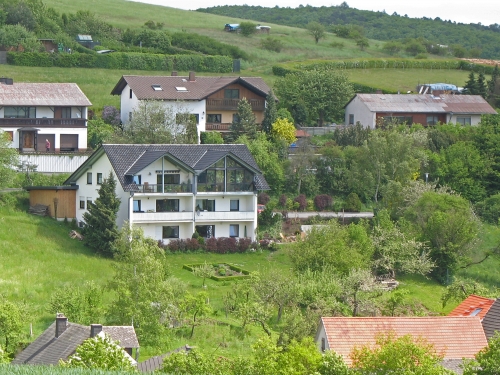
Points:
[(212, 100), (172, 191), (37, 116)]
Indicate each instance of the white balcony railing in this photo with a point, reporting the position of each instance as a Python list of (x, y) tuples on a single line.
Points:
[(146, 217), (225, 215)]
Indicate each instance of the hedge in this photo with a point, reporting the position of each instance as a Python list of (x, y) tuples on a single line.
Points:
[(246, 274), (124, 60), (284, 69)]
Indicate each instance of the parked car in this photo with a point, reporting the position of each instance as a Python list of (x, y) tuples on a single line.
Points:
[(260, 208)]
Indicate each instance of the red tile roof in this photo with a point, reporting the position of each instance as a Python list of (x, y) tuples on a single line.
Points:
[(471, 305), (454, 337), (299, 133)]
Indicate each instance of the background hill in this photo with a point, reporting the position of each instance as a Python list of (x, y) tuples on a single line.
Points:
[(377, 25)]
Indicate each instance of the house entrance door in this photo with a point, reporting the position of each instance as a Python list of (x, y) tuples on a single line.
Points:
[(29, 141)]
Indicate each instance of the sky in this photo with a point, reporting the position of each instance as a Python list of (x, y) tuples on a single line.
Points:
[(479, 11)]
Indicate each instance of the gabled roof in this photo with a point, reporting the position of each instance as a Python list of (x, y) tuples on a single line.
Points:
[(491, 322), (458, 104), (154, 363), (472, 306), (42, 94), (48, 349), (200, 88), (129, 159), (454, 337)]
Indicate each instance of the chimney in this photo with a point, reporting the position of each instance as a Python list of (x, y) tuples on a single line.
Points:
[(95, 329), (61, 324), (192, 77), (174, 73)]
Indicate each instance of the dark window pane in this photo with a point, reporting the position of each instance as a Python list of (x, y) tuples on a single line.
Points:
[(170, 232), (234, 205)]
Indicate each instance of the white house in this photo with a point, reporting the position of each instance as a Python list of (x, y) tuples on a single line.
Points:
[(171, 191), (372, 110), (212, 100), (34, 113)]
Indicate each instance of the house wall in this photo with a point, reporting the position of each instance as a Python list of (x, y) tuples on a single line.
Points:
[(244, 93), (65, 204), (418, 118), (128, 105), (475, 119), (321, 335), (361, 113)]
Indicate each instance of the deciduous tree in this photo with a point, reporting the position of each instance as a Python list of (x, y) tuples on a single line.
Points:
[(316, 29), (8, 159), (283, 131)]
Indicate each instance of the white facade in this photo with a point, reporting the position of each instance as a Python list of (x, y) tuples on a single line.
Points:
[(176, 210), (129, 103), (357, 111)]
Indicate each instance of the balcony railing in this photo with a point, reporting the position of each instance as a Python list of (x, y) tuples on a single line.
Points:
[(162, 216), (43, 121), (232, 104), (167, 188), (224, 215), (218, 126), (220, 187)]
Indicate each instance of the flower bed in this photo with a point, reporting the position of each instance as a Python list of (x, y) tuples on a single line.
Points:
[(222, 271)]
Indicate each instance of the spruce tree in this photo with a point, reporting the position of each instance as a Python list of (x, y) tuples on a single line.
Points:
[(492, 87), (100, 230), (270, 114), (471, 85), (481, 86), (244, 121)]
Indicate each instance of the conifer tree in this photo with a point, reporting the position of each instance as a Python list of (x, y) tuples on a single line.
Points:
[(270, 114), (471, 85), (481, 86), (100, 231), (244, 122)]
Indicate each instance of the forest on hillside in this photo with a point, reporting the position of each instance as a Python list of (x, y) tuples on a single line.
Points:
[(375, 25)]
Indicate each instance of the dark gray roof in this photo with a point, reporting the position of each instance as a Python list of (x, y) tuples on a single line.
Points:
[(154, 363), (491, 321), (199, 89), (453, 364), (210, 157), (48, 350), (126, 159)]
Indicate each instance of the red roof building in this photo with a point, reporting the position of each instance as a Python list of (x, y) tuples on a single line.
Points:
[(473, 306), (453, 337)]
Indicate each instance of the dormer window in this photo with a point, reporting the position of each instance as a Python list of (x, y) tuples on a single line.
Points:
[(157, 87), (181, 89)]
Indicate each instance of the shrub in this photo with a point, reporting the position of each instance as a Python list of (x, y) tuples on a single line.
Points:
[(211, 245), (192, 244), (489, 209), (421, 56), (247, 28), (211, 138), (282, 201), (338, 45), (352, 203), (323, 201), (271, 44), (227, 245), (263, 198), (111, 115), (173, 246), (244, 244), (302, 201)]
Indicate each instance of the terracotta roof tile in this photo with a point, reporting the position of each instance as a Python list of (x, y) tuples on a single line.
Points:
[(455, 337), (473, 305)]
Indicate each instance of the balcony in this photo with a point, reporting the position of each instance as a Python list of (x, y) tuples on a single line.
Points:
[(217, 126), (168, 188), (148, 217), (43, 122), (232, 104), (202, 188), (225, 215)]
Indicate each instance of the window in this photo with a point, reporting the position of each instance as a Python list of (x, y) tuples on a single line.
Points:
[(234, 230), (130, 93), (463, 120), (169, 179), (235, 117), (234, 205), (351, 119), (231, 94), (66, 112), (10, 135), (476, 311), (205, 205), (167, 205), (205, 231), (137, 179), (19, 112), (137, 205), (89, 178), (323, 344), (432, 120), (89, 201), (157, 87), (99, 178), (214, 118), (170, 232), (82, 203)]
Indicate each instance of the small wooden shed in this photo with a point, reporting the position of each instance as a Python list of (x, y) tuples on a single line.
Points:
[(61, 200)]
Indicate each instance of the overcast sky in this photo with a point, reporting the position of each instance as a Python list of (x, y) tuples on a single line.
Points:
[(483, 11)]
